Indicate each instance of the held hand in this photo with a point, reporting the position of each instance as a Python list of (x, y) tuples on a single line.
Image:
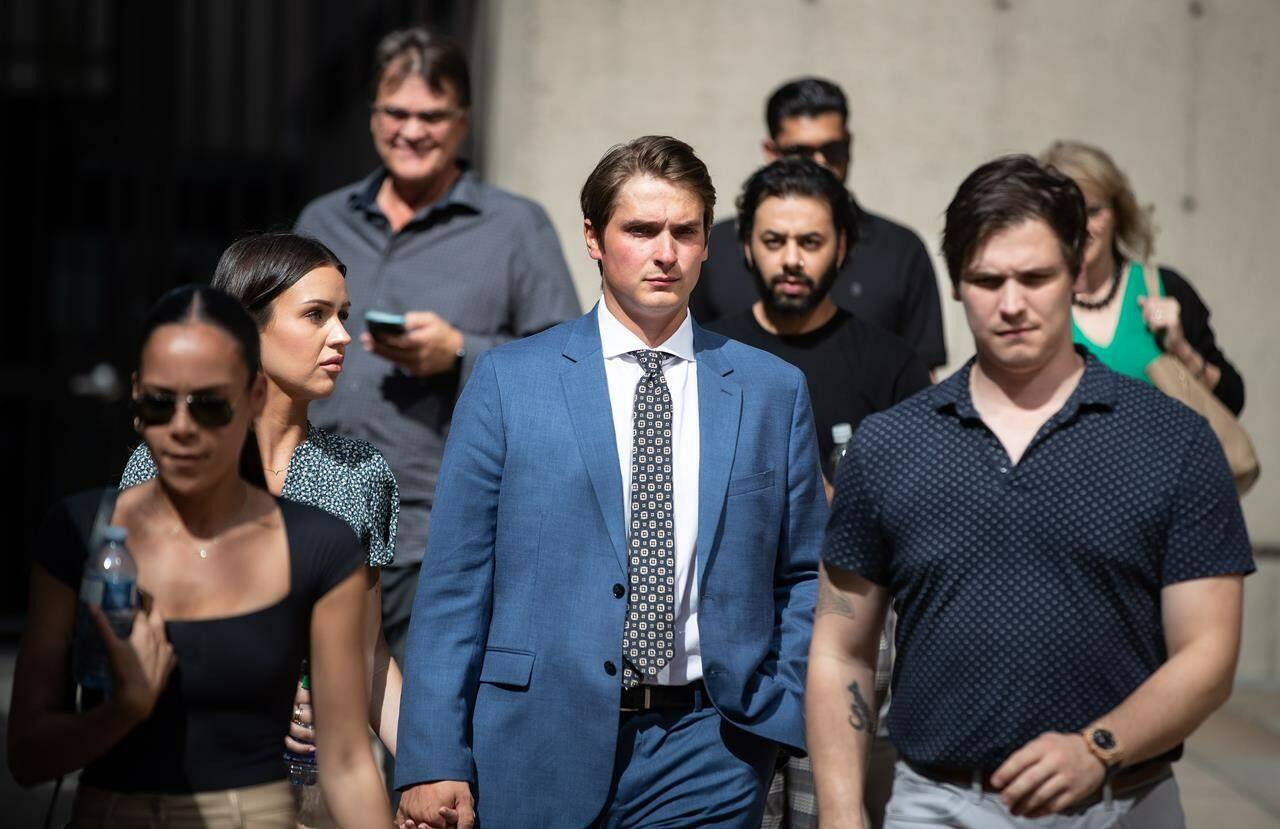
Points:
[(140, 665), (429, 345), (301, 738), (1048, 774), (1163, 317), (441, 805)]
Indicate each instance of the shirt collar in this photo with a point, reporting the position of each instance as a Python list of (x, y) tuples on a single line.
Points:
[(1097, 388), (616, 340), (465, 193)]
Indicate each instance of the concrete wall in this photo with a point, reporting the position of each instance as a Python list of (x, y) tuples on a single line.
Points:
[(1185, 95)]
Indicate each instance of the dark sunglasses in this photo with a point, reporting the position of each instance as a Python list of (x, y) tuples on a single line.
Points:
[(209, 410), (835, 152)]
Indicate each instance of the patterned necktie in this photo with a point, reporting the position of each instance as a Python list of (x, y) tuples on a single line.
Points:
[(648, 639)]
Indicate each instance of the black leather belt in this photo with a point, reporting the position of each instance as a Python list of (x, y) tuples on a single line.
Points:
[(1125, 780), (664, 698)]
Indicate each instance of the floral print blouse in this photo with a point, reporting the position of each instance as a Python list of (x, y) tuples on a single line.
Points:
[(343, 476)]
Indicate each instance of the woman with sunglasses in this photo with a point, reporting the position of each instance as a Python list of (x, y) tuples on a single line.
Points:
[(241, 587), (294, 289)]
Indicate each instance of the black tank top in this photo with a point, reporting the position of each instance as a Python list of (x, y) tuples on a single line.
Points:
[(221, 720)]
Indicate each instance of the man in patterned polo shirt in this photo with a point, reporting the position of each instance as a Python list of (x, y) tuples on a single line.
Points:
[(1063, 545)]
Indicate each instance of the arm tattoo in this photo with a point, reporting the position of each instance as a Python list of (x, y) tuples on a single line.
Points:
[(860, 716), (831, 600)]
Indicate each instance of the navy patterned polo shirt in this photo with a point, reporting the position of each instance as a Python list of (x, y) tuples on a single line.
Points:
[(1028, 594)]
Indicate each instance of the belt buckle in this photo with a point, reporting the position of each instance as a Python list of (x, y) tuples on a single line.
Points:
[(645, 706)]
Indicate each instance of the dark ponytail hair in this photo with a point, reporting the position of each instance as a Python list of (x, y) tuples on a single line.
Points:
[(257, 269), (200, 303)]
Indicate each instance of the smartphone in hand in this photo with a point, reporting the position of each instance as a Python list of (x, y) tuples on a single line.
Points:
[(381, 324)]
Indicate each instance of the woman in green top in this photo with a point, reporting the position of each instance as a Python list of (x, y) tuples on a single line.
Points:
[(1113, 317)]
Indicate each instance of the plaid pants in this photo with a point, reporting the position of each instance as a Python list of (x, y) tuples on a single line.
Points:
[(791, 803)]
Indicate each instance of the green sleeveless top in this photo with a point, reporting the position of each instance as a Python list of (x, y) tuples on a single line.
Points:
[(1133, 346)]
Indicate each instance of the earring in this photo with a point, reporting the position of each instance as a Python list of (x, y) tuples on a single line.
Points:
[(137, 424)]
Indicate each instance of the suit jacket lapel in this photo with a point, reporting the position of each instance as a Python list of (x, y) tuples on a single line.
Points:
[(719, 409), (587, 399)]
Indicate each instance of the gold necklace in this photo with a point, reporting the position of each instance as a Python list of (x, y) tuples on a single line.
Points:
[(203, 548), (275, 471)]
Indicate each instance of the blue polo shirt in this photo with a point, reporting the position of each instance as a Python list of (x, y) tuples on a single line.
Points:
[(1028, 594)]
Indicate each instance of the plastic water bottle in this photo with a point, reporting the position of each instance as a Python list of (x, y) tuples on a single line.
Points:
[(302, 767), (110, 582), (841, 434)]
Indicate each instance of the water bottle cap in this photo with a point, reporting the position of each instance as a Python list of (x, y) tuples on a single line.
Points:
[(114, 534), (841, 432)]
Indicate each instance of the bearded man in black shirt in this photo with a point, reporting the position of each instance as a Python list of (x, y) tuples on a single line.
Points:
[(796, 225), (885, 279)]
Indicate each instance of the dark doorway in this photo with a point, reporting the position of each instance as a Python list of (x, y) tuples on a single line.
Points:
[(139, 139)]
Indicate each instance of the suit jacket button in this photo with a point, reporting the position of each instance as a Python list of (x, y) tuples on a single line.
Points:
[(610, 668), (619, 591)]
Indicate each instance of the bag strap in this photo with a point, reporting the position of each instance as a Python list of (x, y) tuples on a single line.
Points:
[(1151, 277)]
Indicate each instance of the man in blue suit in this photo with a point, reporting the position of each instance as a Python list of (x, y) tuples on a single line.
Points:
[(614, 610)]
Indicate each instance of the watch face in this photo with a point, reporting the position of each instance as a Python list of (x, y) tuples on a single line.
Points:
[(1103, 739)]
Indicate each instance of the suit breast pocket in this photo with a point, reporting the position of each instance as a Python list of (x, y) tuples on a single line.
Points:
[(750, 483)]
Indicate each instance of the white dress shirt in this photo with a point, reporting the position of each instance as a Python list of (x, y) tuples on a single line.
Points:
[(681, 372)]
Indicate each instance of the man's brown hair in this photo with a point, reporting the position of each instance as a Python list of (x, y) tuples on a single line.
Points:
[(1004, 193), (660, 156), (417, 51)]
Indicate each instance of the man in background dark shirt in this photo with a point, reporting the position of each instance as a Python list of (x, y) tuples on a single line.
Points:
[(794, 225), (887, 279), (795, 222)]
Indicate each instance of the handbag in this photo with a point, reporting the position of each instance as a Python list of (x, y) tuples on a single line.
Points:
[(1169, 375)]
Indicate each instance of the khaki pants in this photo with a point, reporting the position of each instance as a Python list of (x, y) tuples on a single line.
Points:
[(268, 806)]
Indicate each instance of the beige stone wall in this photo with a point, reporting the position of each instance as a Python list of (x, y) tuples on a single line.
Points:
[(1186, 96)]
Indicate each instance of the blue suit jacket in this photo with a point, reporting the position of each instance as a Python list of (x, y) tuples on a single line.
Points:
[(515, 614)]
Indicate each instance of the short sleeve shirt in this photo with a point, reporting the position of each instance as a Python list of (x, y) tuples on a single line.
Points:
[(219, 721), (487, 261), (1028, 594), (852, 368), (345, 477)]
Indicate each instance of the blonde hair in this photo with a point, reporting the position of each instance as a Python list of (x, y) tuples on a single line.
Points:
[(1135, 233)]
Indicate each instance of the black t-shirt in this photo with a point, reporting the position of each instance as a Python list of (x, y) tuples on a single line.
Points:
[(887, 280), (852, 369), (221, 720)]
